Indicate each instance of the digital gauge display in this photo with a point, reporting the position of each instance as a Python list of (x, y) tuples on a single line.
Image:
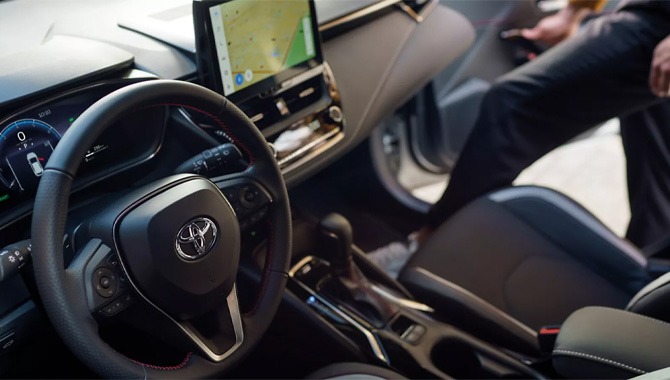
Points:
[(28, 139), (26, 145)]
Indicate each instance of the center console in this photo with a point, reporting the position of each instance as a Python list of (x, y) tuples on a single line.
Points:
[(275, 74), (339, 284)]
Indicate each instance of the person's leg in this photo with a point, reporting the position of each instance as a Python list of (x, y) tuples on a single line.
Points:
[(598, 74), (646, 141)]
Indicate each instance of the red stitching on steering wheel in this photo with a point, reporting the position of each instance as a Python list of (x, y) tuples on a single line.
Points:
[(168, 368), (220, 123)]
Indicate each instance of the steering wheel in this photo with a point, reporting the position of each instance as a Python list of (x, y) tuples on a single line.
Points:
[(172, 246)]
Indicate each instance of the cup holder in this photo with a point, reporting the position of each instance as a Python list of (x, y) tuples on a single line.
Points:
[(457, 359), (461, 360)]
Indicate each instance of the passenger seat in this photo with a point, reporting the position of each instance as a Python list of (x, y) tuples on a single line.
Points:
[(526, 257)]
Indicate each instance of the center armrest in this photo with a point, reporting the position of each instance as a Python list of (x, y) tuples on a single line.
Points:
[(599, 342)]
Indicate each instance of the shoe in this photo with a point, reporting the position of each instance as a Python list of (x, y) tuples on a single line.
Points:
[(392, 257)]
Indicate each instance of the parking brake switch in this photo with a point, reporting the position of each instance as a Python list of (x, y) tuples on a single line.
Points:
[(210, 160)]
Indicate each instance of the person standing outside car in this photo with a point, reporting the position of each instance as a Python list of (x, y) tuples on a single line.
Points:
[(616, 65)]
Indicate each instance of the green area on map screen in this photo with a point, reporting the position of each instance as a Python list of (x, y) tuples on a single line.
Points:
[(265, 37)]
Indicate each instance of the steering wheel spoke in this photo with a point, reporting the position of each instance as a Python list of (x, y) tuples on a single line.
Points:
[(248, 197), (219, 333), (105, 283)]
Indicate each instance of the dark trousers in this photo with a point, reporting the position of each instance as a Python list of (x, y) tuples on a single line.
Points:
[(598, 74), (646, 142)]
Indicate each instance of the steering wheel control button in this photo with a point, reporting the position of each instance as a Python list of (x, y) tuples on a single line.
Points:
[(231, 194), (250, 196), (249, 202), (112, 261), (105, 282), (240, 212), (196, 238), (117, 305), (258, 216)]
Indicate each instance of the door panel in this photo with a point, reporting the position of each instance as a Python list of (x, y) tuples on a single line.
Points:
[(452, 100), (419, 145)]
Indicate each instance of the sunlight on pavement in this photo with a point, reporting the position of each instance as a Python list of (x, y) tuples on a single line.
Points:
[(592, 171)]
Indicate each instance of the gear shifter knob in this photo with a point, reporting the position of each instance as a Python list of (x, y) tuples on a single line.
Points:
[(336, 239), (348, 283)]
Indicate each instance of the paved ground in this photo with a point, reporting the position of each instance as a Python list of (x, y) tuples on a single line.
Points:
[(591, 171)]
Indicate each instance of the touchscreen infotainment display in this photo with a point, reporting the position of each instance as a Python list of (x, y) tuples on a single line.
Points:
[(255, 40)]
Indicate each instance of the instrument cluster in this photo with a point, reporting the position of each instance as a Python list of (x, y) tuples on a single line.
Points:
[(29, 137)]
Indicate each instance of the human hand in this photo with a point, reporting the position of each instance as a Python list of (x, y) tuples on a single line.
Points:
[(557, 27), (659, 77)]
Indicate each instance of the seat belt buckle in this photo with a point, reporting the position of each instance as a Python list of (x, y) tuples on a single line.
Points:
[(546, 337)]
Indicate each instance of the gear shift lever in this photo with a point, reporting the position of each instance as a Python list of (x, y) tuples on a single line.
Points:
[(336, 240), (350, 284)]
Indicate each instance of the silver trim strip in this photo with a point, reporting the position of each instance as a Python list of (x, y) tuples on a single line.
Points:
[(257, 117), (305, 148), (372, 339), (402, 301), (309, 74), (587, 220), (476, 299), (310, 155), (294, 269), (236, 318)]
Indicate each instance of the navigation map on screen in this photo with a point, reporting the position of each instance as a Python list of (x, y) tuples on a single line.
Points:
[(258, 39)]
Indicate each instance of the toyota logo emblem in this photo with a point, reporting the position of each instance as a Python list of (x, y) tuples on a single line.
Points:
[(196, 238)]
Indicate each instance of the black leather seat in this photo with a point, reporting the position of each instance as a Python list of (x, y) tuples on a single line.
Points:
[(526, 257)]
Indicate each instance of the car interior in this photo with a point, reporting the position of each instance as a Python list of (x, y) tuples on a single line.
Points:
[(189, 189)]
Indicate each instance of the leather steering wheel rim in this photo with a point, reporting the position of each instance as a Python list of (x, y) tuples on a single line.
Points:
[(61, 291)]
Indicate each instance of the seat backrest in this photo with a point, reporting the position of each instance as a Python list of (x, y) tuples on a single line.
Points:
[(600, 247), (653, 300), (570, 226)]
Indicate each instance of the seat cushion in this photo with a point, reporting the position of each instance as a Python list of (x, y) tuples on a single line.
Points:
[(519, 259)]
